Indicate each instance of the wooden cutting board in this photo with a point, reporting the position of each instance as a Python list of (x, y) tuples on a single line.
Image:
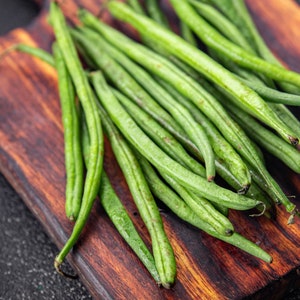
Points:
[(32, 159)]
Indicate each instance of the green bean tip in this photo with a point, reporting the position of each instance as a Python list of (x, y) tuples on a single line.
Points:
[(229, 232), (210, 178), (57, 266), (294, 141), (291, 219), (244, 189), (264, 207)]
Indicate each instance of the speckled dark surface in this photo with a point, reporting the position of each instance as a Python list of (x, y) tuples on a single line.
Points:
[(26, 252)]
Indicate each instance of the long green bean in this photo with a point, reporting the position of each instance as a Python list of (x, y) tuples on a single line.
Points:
[(72, 148), (85, 95)]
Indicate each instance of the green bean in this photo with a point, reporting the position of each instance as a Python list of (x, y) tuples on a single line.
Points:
[(164, 163), (183, 117), (135, 4), (119, 216), (160, 136), (162, 250), (187, 34), (272, 95), (267, 139), (183, 211), (85, 95), (257, 42), (220, 22), (184, 84), (202, 208), (223, 150), (287, 117), (155, 12), (267, 183), (125, 83), (201, 98), (200, 61), (152, 44), (222, 45), (72, 148), (34, 51)]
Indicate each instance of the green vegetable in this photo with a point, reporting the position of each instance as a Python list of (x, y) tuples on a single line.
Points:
[(162, 249), (71, 125), (85, 95)]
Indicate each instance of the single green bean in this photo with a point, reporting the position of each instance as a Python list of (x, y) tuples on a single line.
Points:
[(85, 95), (118, 214), (183, 211), (167, 165), (194, 131), (135, 4), (272, 95), (162, 249), (72, 148), (287, 117), (177, 46)]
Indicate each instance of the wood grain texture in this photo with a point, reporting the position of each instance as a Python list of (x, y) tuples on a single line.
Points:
[(32, 159)]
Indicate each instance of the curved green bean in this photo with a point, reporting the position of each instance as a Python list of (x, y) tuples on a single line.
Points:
[(243, 96), (72, 148), (85, 95)]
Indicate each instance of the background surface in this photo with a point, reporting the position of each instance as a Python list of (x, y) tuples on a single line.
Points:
[(26, 252)]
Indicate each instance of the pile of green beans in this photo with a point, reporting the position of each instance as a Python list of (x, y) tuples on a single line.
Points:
[(177, 118)]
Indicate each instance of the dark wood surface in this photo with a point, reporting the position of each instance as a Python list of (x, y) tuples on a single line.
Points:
[(32, 159)]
